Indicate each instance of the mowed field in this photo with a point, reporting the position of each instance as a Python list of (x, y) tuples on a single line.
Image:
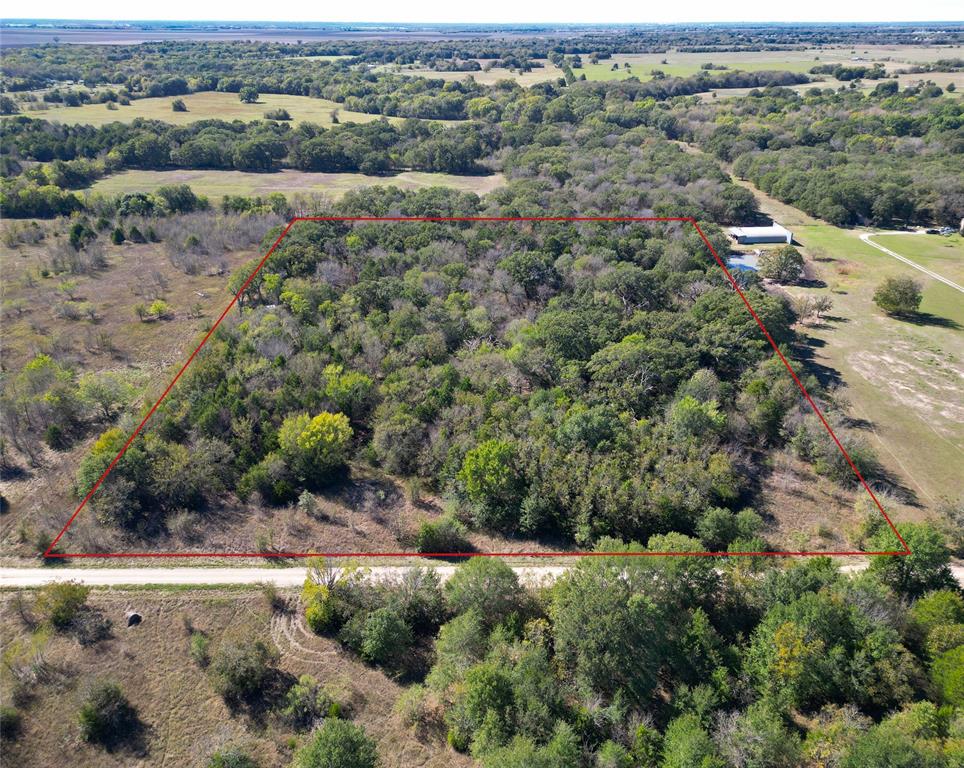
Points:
[(215, 184), (183, 720), (548, 71), (208, 105), (680, 64), (905, 378)]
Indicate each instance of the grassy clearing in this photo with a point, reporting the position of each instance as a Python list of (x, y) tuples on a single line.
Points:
[(546, 72), (903, 377), (208, 105), (216, 184), (184, 720), (943, 255)]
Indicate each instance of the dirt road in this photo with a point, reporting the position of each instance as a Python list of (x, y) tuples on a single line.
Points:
[(280, 577)]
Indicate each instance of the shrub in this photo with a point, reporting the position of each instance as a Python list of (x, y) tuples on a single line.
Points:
[(231, 758), (9, 722), (178, 105), (61, 601), (386, 636), (159, 309), (277, 114), (200, 649), (306, 702), (446, 534), (337, 744), (106, 717), (117, 236), (898, 296), (240, 669)]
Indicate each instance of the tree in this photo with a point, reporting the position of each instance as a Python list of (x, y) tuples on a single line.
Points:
[(106, 716), (688, 745), (337, 744), (948, 675), (385, 637), (248, 95), (241, 668), (926, 568), (178, 105), (758, 738), (492, 482), (106, 391), (629, 641), (315, 446), (486, 585), (784, 265), (898, 296)]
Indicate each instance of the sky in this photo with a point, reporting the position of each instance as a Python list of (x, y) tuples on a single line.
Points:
[(496, 11)]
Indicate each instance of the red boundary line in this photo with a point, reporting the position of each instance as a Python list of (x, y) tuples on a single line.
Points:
[(625, 219)]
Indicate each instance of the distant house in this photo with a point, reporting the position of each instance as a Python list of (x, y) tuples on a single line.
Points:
[(751, 235)]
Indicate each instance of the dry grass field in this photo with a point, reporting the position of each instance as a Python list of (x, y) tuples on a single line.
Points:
[(216, 184), (208, 105), (183, 719)]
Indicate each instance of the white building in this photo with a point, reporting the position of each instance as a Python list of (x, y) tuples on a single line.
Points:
[(772, 234)]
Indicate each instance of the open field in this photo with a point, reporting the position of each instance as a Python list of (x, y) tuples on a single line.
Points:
[(943, 255), (216, 184), (905, 378), (207, 105), (547, 71), (184, 720), (680, 64)]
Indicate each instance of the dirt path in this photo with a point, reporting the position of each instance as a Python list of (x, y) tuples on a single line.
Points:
[(280, 577), (866, 237)]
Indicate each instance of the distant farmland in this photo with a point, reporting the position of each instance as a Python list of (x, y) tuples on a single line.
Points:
[(209, 105), (216, 184)]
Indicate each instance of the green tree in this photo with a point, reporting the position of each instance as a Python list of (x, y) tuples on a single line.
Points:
[(178, 105), (106, 390), (948, 675), (248, 95), (898, 296), (337, 744), (386, 636), (486, 585), (926, 568), (492, 482), (784, 265), (629, 642), (688, 745), (484, 701)]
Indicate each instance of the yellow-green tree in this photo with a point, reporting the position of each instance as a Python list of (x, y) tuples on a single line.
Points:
[(315, 446)]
